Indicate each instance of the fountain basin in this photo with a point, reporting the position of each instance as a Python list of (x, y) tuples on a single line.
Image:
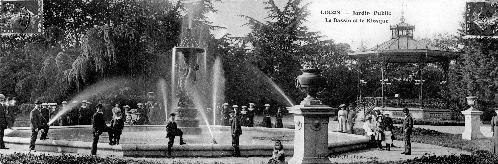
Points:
[(150, 141)]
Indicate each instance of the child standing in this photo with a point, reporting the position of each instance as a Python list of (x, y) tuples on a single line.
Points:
[(117, 125), (388, 138)]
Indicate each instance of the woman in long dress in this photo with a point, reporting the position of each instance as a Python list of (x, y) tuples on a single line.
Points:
[(494, 130)]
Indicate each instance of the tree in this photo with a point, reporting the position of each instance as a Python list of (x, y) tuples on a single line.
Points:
[(278, 43)]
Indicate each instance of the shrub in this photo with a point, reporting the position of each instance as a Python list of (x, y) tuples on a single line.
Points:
[(61, 159), (476, 157)]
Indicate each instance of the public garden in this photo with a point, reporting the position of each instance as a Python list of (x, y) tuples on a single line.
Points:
[(163, 55)]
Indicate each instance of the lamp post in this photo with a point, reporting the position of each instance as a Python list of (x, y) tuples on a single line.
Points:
[(421, 83)]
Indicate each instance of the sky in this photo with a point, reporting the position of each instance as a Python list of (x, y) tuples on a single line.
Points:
[(430, 17)]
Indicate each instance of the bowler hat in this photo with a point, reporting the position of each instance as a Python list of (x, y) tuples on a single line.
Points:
[(172, 114), (267, 104), (342, 105), (38, 102), (235, 106)]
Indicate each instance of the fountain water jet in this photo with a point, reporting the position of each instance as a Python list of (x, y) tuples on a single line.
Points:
[(98, 88), (198, 104), (218, 84), (162, 86), (280, 92)]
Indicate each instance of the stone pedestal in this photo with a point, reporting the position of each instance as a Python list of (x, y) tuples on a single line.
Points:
[(472, 124), (311, 133)]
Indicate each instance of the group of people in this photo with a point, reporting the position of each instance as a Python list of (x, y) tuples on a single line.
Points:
[(99, 126), (346, 117), (247, 116), (8, 113), (380, 129), (145, 113), (39, 120)]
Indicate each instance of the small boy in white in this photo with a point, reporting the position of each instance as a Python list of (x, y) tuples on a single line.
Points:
[(388, 138)]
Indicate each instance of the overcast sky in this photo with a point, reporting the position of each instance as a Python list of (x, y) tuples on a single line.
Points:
[(429, 17)]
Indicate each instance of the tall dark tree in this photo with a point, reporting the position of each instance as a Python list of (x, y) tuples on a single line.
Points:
[(278, 42)]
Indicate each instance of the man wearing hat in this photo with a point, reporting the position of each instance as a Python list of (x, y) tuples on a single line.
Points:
[(266, 118), (236, 130), (250, 114), (278, 118), (244, 120), (99, 126), (141, 109), (407, 131), (172, 130), (36, 120), (3, 121), (154, 109), (226, 114), (341, 117), (84, 113), (45, 112)]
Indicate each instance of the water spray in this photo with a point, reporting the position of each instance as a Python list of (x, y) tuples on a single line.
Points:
[(100, 87)]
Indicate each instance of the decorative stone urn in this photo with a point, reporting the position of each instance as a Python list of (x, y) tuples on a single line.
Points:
[(472, 121), (310, 82), (311, 120)]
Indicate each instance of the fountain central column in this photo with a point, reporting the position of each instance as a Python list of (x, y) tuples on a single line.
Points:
[(311, 120), (187, 112)]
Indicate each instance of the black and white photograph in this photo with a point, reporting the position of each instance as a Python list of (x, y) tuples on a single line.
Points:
[(248, 81)]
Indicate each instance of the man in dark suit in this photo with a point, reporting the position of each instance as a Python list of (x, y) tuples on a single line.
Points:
[(36, 124), (99, 126), (236, 131), (172, 130), (226, 114), (407, 131), (3, 121), (45, 112)]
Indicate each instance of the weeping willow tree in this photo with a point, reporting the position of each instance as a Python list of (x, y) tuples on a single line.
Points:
[(133, 47)]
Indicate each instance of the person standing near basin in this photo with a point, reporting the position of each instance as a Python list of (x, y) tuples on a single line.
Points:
[(341, 117), (250, 114), (494, 131), (278, 118), (99, 126), (45, 112), (117, 125), (407, 131), (141, 109), (14, 110), (35, 118), (267, 117), (244, 120), (84, 113), (351, 118), (226, 114), (172, 130), (3, 121), (236, 130)]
